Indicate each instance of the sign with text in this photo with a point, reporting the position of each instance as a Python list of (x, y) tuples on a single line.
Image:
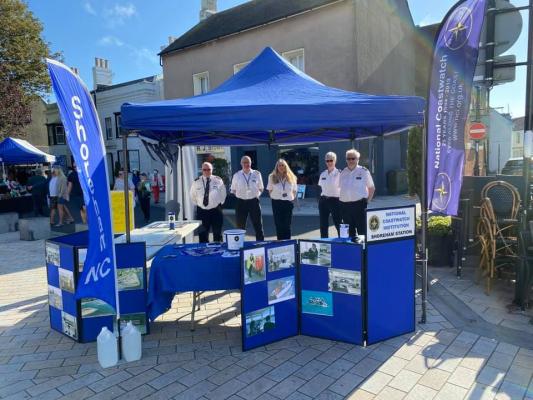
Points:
[(390, 223)]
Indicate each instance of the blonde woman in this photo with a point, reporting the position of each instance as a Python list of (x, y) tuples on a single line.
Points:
[(282, 188)]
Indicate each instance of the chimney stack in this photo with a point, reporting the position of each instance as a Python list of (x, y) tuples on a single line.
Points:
[(209, 7), (102, 75)]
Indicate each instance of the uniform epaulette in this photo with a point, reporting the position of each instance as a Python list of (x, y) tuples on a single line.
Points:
[(198, 178), (364, 167)]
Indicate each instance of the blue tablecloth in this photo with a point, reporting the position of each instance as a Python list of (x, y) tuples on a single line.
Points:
[(174, 271)]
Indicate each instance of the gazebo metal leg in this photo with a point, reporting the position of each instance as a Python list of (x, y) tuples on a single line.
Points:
[(193, 310)]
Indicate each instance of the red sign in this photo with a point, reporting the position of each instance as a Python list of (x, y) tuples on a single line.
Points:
[(477, 131)]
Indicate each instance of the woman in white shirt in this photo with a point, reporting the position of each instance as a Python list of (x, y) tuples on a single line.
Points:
[(282, 188)]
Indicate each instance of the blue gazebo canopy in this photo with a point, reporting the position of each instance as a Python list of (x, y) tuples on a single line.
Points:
[(272, 102), (18, 151)]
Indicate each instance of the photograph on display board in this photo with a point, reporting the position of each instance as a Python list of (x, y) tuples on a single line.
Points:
[(281, 257), (95, 308), (281, 289), (130, 278), (82, 255), (260, 321), (344, 281), (66, 280), (55, 297), (70, 327), (52, 254), (320, 303), (315, 253), (137, 319), (254, 265)]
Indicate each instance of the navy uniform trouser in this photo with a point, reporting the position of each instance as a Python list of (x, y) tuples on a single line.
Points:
[(211, 219), (282, 211), (353, 214), (251, 207), (327, 206)]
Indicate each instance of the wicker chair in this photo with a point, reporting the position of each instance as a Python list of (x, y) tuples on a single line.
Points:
[(497, 229)]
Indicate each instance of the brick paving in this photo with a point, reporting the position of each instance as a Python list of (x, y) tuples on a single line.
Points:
[(438, 361)]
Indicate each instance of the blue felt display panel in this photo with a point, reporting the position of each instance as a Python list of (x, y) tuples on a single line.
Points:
[(329, 313), (93, 326), (52, 273), (264, 323), (55, 319), (132, 255), (66, 254), (70, 304), (391, 289)]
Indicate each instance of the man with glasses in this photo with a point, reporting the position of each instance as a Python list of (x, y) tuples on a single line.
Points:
[(356, 190), (329, 198), (247, 186), (208, 193)]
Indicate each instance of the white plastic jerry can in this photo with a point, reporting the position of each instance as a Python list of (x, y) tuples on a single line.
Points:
[(107, 348), (131, 343)]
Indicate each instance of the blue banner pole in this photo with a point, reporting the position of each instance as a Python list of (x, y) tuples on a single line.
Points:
[(84, 137)]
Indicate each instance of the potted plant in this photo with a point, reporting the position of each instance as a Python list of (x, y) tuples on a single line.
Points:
[(440, 241)]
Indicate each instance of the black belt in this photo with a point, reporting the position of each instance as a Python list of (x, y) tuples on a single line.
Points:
[(329, 197), (356, 201)]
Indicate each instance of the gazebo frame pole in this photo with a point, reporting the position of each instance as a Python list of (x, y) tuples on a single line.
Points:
[(424, 222), (126, 183), (182, 185)]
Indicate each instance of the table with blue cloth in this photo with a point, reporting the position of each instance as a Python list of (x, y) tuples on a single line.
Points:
[(186, 268)]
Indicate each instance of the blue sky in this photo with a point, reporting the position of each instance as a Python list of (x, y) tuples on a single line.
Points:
[(129, 33)]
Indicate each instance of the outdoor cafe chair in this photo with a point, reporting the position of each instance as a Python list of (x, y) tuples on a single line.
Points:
[(497, 229)]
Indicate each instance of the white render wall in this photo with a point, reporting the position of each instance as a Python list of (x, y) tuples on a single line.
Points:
[(108, 102)]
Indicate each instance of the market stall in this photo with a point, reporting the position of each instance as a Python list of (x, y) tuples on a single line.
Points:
[(271, 102), (18, 152)]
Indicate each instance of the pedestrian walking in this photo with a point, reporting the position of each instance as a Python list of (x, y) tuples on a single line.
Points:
[(209, 193), (247, 186), (75, 193), (328, 203), (62, 197), (356, 190), (38, 186), (145, 193), (282, 188)]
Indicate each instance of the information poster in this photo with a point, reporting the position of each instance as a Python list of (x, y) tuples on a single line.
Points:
[(390, 223), (118, 211), (269, 305), (331, 300)]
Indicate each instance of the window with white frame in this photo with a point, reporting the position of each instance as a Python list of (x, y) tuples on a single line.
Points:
[(296, 58), (59, 134), (200, 83), (108, 128), (238, 67)]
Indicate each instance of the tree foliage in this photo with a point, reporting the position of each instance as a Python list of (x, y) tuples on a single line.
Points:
[(414, 161), (23, 74)]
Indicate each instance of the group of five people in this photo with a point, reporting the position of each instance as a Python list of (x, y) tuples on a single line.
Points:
[(345, 195)]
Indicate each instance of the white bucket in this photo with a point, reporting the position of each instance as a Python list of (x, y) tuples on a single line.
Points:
[(234, 238), (344, 231)]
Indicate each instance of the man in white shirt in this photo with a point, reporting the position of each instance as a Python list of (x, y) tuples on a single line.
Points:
[(209, 193), (328, 203), (356, 190), (247, 186)]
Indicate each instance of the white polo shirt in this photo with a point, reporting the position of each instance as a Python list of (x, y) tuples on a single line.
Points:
[(354, 184), (247, 186), (330, 183), (217, 192), (283, 190)]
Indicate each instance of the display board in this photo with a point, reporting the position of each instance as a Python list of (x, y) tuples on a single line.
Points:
[(269, 304), (331, 289), (83, 319), (390, 273)]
